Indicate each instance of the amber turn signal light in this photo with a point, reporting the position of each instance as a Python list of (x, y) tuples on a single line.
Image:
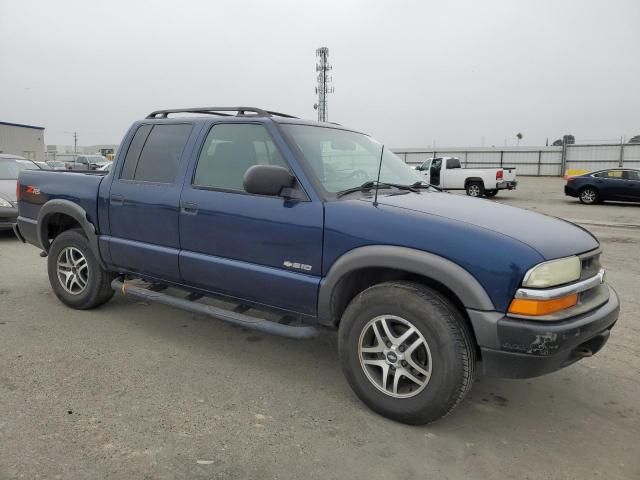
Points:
[(536, 308)]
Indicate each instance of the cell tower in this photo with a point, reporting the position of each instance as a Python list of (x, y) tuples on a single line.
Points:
[(323, 88)]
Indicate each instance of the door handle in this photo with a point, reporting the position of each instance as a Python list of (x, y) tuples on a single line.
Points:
[(117, 199), (598, 181), (189, 208)]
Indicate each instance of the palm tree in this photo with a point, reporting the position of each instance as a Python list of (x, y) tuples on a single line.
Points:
[(519, 137)]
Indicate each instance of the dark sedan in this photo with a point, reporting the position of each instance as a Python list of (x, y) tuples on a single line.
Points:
[(618, 184), (10, 167)]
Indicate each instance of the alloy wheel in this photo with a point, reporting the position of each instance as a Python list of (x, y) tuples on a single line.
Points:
[(395, 356), (588, 196), (73, 270)]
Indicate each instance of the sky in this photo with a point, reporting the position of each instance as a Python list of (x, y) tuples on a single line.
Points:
[(410, 73)]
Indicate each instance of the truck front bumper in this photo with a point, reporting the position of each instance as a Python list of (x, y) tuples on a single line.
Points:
[(509, 185), (528, 348)]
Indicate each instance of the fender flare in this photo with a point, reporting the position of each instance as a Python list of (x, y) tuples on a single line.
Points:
[(74, 211), (454, 277)]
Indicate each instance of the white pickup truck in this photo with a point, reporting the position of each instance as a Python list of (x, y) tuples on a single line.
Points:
[(446, 173)]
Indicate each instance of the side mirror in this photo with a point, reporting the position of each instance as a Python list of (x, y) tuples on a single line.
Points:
[(267, 180)]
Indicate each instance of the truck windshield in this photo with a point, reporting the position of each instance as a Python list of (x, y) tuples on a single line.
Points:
[(341, 159), (11, 168)]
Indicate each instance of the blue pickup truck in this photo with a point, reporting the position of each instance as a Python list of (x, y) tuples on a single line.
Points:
[(292, 225)]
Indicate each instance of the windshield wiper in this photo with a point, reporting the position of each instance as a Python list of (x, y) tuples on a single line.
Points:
[(368, 185), (371, 184)]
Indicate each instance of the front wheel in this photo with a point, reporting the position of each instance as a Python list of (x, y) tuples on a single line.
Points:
[(491, 193), (75, 274), (406, 351), (475, 189)]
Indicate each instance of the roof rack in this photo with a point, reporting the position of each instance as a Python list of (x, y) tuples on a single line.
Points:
[(241, 111)]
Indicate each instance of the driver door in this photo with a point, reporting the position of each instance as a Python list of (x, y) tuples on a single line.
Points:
[(435, 170), (263, 249)]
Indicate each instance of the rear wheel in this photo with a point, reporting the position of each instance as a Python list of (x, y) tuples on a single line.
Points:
[(406, 351), (589, 195), (475, 189), (491, 193), (75, 274)]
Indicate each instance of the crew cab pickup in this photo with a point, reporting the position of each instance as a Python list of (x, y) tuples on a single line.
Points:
[(448, 174), (285, 225)]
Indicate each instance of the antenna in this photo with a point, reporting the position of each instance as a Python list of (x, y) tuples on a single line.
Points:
[(375, 198), (323, 88)]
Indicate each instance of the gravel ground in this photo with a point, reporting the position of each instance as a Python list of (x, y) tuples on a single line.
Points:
[(147, 392)]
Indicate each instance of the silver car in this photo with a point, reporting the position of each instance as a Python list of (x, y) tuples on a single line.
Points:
[(10, 167)]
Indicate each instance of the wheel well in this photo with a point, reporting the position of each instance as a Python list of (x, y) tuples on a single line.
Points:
[(357, 281), (56, 223), (592, 187), (473, 180)]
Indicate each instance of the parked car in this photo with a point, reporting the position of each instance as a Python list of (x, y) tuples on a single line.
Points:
[(10, 167), (56, 165), (286, 220), (106, 167), (42, 165), (85, 162), (448, 174), (619, 184)]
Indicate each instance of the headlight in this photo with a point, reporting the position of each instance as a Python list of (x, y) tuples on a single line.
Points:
[(5, 203), (555, 272)]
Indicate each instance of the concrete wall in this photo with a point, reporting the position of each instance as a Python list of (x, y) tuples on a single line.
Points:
[(25, 141)]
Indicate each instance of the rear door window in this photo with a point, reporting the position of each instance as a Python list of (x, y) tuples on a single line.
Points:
[(453, 163), (159, 153), (133, 153), (615, 174)]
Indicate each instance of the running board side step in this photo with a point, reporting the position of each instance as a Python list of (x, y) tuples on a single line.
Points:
[(235, 318)]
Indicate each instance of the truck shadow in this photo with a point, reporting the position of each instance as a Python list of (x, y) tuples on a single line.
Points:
[(493, 405), (8, 236)]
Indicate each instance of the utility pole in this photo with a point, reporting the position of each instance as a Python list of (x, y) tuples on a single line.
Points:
[(75, 143), (323, 88)]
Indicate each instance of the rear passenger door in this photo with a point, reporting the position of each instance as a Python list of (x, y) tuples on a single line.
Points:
[(611, 184), (144, 201), (632, 185), (262, 249)]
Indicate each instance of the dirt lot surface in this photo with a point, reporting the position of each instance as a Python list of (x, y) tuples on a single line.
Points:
[(136, 391)]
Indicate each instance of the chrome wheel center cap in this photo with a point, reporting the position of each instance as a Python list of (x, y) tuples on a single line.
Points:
[(393, 356)]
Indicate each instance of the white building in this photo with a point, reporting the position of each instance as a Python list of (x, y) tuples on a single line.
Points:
[(24, 140)]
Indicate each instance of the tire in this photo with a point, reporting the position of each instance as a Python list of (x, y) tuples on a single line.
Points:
[(71, 256), (475, 189), (491, 193), (447, 361), (589, 196)]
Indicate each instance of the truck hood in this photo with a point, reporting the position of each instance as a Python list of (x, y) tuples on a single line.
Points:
[(551, 237), (8, 190)]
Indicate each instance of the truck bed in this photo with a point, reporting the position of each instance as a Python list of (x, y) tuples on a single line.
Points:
[(79, 186)]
